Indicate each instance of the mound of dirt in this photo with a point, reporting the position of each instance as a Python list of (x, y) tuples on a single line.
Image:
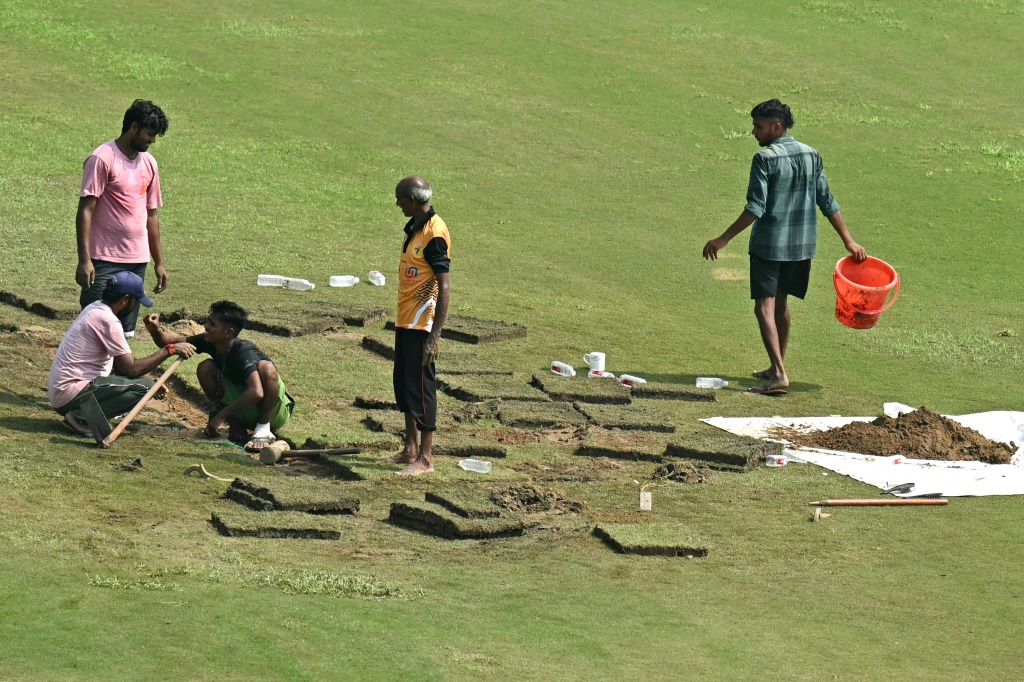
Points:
[(527, 499), (922, 434)]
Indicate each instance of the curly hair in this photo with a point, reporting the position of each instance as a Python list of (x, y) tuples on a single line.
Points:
[(774, 110), (146, 115), (231, 314)]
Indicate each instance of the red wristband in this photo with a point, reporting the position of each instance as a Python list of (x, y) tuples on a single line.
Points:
[(169, 348)]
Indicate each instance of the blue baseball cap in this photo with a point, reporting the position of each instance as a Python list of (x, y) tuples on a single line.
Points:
[(128, 283)]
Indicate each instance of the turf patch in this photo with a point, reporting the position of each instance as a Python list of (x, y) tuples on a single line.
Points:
[(241, 522), (652, 539), (379, 347), (583, 389), (682, 472), (41, 309), (312, 496), (662, 391), (538, 415), (473, 330), (468, 504), (635, 417), (632, 445), (385, 421), (723, 451), (472, 450), (310, 318), (477, 389), (375, 403), (435, 520)]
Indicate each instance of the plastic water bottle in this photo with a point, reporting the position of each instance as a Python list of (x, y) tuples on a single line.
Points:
[(376, 278), (600, 374), (562, 368), (297, 284), (479, 466), (293, 283), (344, 280), (630, 380), (711, 382)]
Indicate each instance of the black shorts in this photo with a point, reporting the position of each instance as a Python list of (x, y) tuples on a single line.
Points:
[(769, 278), (415, 385)]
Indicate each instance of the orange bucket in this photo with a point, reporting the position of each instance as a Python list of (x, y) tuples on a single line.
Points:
[(861, 290)]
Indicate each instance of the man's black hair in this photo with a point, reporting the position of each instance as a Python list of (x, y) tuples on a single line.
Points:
[(774, 110), (231, 314), (147, 115), (109, 295)]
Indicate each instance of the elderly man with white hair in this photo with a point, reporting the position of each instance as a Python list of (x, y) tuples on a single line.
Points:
[(423, 292)]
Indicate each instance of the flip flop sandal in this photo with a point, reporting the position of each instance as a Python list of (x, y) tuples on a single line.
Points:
[(758, 390), (67, 425), (257, 443)]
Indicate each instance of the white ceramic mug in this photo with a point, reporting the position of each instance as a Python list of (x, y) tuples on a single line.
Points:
[(595, 360)]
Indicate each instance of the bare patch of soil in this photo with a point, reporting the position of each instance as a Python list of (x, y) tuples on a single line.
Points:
[(682, 472), (922, 434), (527, 499), (517, 436), (597, 471)]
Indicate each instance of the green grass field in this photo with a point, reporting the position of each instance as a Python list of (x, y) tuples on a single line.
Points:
[(581, 154)]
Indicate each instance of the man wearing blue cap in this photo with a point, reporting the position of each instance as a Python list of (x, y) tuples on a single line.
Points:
[(94, 345)]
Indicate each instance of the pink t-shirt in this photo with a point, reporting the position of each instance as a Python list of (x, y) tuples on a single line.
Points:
[(87, 351), (125, 190)]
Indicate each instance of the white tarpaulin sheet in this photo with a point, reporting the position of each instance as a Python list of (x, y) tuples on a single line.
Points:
[(930, 477)]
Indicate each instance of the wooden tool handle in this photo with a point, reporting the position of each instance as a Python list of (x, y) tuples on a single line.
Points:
[(325, 451), (109, 440), (915, 502)]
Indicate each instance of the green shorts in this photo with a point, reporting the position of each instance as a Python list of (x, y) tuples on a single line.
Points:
[(278, 418)]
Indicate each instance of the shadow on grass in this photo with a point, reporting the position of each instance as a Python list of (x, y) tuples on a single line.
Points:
[(11, 398), (739, 383)]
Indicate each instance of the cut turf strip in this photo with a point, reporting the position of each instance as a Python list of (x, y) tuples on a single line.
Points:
[(466, 503), (634, 417), (472, 451), (312, 318), (661, 391), (438, 521), (475, 389), (652, 539), (241, 522), (723, 451), (313, 496), (583, 389), (379, 347), (374, 403), (40, 309), (632, 445), (473, 330), (538, 415)]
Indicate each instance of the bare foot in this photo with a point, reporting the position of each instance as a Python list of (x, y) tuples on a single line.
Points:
[(763, 374), (417, 468), (406, 456)]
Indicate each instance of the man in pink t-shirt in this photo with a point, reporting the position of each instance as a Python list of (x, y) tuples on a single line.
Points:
[(94, 345), (117, 225)]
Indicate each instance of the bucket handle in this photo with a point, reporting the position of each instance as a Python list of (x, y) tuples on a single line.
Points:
[(896, 294)]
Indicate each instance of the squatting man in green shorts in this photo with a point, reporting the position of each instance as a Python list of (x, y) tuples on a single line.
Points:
[(94, 357), (239, 380), (787, 181)]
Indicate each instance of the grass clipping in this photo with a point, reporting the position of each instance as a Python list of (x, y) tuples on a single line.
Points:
[(921, 434)]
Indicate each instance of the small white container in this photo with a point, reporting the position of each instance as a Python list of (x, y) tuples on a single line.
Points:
[(711, 382), (630, 380), (376, 278), (776, 460), (600, 374), (480, 466), (344, 280), (645, 500), (562, 368), (269, 280)]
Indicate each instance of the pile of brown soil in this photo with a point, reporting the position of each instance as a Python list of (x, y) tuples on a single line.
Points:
[(918, 435), (682, 472), (526, 499)]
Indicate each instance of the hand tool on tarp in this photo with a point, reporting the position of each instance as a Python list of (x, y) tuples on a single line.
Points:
[(874, 502), (98, 424)]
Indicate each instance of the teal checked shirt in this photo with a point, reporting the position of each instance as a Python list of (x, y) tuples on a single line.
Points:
[(787, 182)]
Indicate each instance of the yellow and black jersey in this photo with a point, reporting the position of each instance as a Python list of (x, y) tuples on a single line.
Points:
[(425, 252)]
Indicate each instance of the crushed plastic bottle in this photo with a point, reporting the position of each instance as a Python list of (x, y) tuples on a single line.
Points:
[(376, 278), (344, 280), (600, 374), (293, 283), (630, 380), (711, 382), (562, 368), (479, 466)]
